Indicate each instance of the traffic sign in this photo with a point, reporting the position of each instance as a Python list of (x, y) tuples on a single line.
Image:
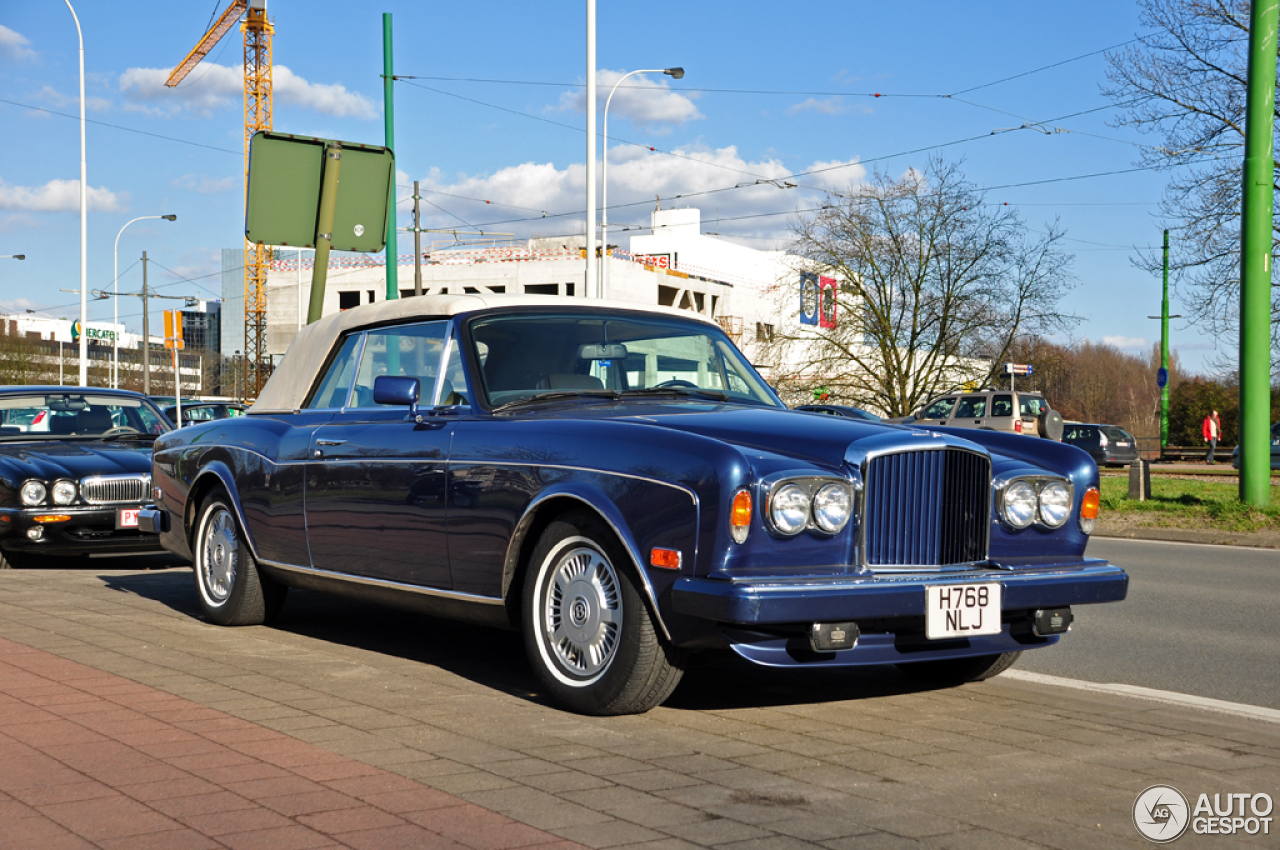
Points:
[(1162, 377), (1017, 369), (173, 330)]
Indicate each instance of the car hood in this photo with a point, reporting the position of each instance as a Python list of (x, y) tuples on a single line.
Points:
[(822, 440), (49, 460)]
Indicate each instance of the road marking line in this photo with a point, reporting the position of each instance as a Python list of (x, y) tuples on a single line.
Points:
[(1237, 709), (1238, 547)]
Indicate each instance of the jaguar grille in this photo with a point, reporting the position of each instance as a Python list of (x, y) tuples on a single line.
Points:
[(109, 489), (927, 508)]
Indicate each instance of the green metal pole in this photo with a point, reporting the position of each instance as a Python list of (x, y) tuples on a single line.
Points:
[(1164, 349), (324, 229), (388, 99), (1255, 257)]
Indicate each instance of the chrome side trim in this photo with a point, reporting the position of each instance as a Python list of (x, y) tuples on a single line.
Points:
[(386, 584)]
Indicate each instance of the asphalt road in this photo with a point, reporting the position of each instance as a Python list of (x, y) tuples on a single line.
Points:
[(1201, 620)]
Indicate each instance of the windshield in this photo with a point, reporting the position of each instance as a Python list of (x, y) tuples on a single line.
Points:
[(41, 416), (525, 355)]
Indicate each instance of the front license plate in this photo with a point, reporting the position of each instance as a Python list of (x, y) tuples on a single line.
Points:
[(127, 518), (961, 610)]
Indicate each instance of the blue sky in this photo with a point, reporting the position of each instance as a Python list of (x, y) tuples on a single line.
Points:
[(771, 89)]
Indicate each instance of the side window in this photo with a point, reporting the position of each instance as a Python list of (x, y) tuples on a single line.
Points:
[(940, 409), (454, 390), (1002, 405), (1032, 405), (972, 407), (336, 383), (412, 351)]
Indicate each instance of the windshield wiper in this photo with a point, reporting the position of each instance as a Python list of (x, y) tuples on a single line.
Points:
[(136, 435), (679, 391), (556, 395)]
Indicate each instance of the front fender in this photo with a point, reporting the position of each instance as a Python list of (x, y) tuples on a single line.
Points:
[(210, 476), (635, 528)]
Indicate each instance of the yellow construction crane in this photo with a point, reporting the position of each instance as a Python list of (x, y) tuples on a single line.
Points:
[(257, 116)]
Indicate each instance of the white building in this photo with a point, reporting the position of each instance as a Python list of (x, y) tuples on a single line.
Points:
[(675, 266)]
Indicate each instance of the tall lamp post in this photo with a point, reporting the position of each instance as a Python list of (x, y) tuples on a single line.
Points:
[(115, 307), (1164, 318), (674, 73), (14, 257), (84, 219)]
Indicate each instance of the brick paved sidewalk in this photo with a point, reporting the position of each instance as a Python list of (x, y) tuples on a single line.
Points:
[(90, 759)]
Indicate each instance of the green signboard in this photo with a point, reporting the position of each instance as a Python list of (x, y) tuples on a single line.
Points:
[(285, 177)]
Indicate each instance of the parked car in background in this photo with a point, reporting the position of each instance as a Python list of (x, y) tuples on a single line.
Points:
[(1012, 411), (205, 411), (1275, 449), (839, 410), (619, 483), (74, 486), (1108, 445)]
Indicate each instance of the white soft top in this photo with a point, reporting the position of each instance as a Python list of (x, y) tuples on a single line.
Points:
[(286, 391)]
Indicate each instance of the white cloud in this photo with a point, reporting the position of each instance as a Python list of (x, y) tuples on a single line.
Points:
[(1127, 343), (207, 185), (56, 196), (13, 46), (17, 305), (49, 94), (636, 176), (212, 86), (829, 106), (646, 100), (16, 221)]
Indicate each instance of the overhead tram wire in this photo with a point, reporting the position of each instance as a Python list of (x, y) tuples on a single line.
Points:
[(121, 127)]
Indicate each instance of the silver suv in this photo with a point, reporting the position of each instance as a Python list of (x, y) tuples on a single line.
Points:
[(993, 410)]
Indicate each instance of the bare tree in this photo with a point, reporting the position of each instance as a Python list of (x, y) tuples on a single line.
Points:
[(1185, 83), (933, 289)]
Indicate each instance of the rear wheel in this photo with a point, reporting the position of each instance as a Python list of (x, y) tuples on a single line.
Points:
[(589, 636), (957, 670), (232, 591)]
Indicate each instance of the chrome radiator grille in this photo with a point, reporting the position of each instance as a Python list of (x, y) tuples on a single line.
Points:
[(107, 489), (927, 508)]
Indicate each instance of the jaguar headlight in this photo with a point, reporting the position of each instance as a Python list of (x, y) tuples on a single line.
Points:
[(1019, 504), (33, 493), (1055, 504), (832, 507), (64, 492), (789, 509)]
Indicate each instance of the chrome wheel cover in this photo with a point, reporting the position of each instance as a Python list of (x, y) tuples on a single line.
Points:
[(219, 555), (582, 612)]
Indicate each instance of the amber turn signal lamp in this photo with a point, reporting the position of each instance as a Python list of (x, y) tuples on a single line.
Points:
[(1089, 510), (667, 559), (51, 518), (740, 516)]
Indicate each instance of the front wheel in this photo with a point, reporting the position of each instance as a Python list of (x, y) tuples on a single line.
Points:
[(957, 670), (590, 638), (232, 591)]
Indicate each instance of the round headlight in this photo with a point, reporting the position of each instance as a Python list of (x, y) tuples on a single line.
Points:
[(1055, 504), (832, 507), (789, 509), (64, 492), (33, 493), (1019, 504)]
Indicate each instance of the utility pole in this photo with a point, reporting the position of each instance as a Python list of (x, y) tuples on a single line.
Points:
[(417, 242), (1257, 208), (388, 101), (1164, 349), (146, 332)]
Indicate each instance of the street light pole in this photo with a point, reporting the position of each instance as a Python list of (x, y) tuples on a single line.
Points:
[(1164, 318), (14, 257), (589, 232), (84, 219), (674, 73), (115, 290)]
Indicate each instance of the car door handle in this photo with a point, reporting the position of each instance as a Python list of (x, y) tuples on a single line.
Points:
[(330, 442)]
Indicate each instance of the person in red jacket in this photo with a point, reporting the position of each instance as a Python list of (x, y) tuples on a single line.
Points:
[(1212, 429)]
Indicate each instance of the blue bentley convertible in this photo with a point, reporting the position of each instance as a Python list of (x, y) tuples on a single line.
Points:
[(619, 483)]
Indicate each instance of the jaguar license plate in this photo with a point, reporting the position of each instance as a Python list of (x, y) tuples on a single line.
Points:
[(961, 610), (127, 518)]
